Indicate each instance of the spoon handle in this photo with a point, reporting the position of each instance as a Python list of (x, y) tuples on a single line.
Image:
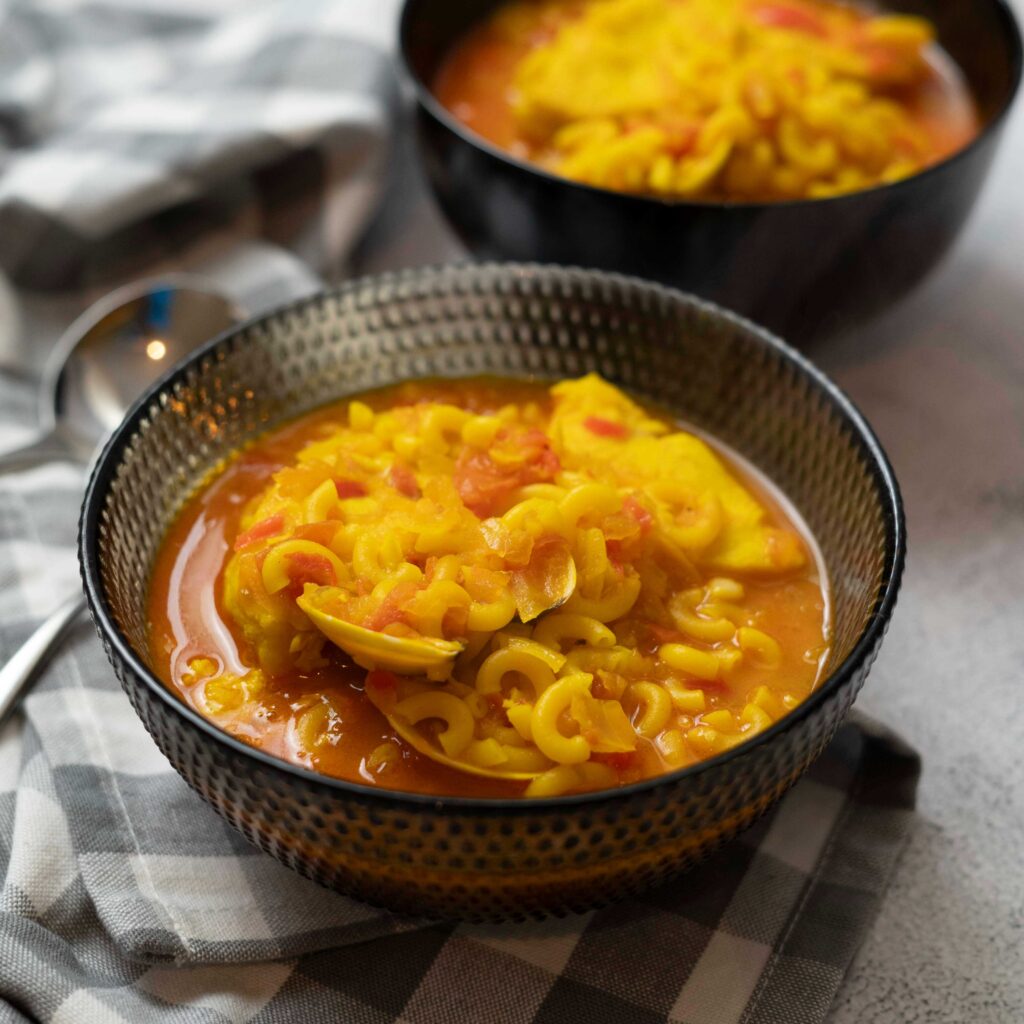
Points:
[(17, 675), (45, 448)]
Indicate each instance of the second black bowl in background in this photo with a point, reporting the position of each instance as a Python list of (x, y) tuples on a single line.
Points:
[(806, 269)]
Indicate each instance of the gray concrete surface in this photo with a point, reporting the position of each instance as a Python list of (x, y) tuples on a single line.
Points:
[(942, 381)]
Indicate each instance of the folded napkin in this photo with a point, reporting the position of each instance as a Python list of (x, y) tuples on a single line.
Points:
[(124, 898), (134, 130)]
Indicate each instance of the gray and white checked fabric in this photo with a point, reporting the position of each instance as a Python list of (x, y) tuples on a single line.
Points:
[(132, 130), (123, 898)]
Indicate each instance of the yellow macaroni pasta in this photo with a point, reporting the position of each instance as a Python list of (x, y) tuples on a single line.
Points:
[(541, 596)]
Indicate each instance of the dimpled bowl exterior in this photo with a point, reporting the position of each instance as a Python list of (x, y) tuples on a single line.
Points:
[(479, 859)]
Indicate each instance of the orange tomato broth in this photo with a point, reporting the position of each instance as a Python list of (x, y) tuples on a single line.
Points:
[(477, 83), (188, 619)]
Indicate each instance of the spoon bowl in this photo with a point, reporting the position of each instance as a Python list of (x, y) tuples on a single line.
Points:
[(110, 355)]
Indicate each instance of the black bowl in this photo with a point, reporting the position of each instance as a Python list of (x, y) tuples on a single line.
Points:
[(805, 269), (475, 858)]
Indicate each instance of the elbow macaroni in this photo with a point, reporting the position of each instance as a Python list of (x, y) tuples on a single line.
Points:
[(565, 562), (740, 100)]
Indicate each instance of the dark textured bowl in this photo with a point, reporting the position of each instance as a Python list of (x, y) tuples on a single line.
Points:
[(805, 269), (475, 858)]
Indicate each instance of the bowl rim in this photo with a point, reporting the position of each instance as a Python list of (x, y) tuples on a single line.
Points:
[(105, 471), (429, 103)]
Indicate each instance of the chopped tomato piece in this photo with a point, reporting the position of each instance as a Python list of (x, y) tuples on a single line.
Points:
[(382, 687), (616, 556), (794, 18), (260, 531), (604, 428), (349, 489), (378, 679), (404, 480), (386, 615), (392, 608), (633, 508), (484, 479), (303, 568)]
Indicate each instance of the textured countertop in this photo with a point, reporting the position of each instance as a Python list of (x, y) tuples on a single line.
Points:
[(941, 379)]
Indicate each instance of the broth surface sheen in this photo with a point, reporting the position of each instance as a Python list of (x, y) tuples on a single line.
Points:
[(767, 627)]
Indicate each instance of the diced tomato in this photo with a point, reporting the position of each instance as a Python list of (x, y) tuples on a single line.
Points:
[(543, 462), (386, 615), (381, 681), (392, 608), (481, 483), (349, 489), (378, 679), (305, 568), (484, 481), (633, 508), (616, 556), (260, 531), (404, 480), (715, 688), (794, 18), (604, 428)]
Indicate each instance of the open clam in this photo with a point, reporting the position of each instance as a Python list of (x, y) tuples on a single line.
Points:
[(373, 650), (422, 743), (454, 746)]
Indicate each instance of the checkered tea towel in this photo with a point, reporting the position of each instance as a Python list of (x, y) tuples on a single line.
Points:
[(124, 898), (134, 130)]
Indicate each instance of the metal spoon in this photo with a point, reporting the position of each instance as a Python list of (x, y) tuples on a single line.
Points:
[(104, 361), (110, 355)]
